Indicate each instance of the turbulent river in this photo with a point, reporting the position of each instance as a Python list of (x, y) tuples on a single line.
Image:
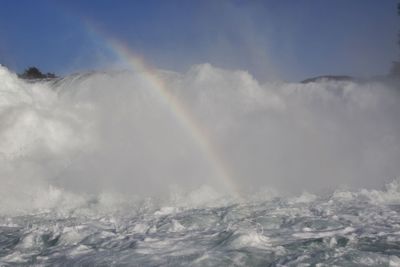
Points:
[(342, 229), (203, 168)]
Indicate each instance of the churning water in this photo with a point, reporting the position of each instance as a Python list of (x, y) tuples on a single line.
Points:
[(203, 168)]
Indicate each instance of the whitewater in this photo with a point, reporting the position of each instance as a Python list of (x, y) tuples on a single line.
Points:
[(208, 167)]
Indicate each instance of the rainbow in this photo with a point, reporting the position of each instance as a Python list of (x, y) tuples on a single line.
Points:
[(177, 108)]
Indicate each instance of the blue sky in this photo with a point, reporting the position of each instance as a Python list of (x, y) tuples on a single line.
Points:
[(272, 39)]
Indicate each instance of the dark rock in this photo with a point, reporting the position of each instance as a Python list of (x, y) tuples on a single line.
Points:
[(32, 73), (329, 78)]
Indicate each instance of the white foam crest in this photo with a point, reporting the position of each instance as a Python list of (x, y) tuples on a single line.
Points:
[(389, 196), (251, 239)]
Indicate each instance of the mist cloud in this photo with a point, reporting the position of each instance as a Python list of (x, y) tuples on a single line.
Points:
[(113, 132)]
